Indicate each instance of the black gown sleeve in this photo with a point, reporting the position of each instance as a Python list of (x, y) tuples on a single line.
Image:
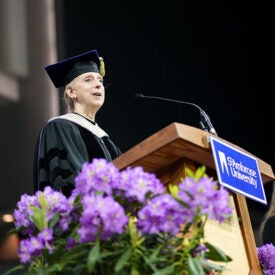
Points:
[(59, 156)]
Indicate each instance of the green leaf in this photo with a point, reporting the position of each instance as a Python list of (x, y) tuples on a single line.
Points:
[(53, 269), (167, 270), (198, 174), (39, 218), (16, 268), (155, 254), (134, 271), (211, 266), (41, 271), (111, 254), (93, 257), (41, 200), (123, 260), (73, 258), (14, 230), (194, 266), (173, 189), (54, 220), (216, 254), (180, 201)]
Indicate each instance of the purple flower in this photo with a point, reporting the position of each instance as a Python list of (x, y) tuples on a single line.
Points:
[(30, 248), (137, 184), (99, 175), (199, 194), (56, 202), (161, 214), (49, 202), (24, 212), (23, 252), (100, 215), (266, 255), (198, 250), (71, 243), (46, 238), (129, 205)]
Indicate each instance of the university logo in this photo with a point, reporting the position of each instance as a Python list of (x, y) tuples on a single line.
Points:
[(237, 170)]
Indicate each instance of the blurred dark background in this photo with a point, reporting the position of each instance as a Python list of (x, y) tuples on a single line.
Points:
[(215, 54), (212, 54)]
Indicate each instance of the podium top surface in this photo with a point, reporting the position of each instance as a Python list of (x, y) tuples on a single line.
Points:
[(178, 141)]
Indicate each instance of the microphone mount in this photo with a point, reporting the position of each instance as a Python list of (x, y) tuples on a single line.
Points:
[(205, 122)]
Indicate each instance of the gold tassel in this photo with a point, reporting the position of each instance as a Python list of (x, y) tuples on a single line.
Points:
[(101, 67)]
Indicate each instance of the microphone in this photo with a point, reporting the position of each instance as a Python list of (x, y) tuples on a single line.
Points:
[(205, 120)]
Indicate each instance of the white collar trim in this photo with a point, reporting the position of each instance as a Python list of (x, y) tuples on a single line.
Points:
[(78, 119)]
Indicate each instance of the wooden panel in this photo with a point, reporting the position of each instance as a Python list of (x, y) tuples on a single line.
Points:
[(228, 237), (178, 141), (247, 232)]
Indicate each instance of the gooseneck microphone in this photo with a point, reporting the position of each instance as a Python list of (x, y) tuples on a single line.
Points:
[(205, 122)]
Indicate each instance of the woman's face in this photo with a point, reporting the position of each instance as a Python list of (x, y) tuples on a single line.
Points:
[(89, 91)]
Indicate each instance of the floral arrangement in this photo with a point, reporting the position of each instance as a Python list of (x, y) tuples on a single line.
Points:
[(122, 222), (266, 255)]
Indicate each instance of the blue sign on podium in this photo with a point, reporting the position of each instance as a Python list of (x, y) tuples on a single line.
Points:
[(237, 170)]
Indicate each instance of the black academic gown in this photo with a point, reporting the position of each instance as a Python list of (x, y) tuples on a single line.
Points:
[(62, 148)]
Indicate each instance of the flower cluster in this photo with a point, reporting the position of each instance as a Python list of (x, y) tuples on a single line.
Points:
[(122, 222), (266, 255)]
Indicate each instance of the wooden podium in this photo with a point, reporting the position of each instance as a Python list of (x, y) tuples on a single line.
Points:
[(166, 153)]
